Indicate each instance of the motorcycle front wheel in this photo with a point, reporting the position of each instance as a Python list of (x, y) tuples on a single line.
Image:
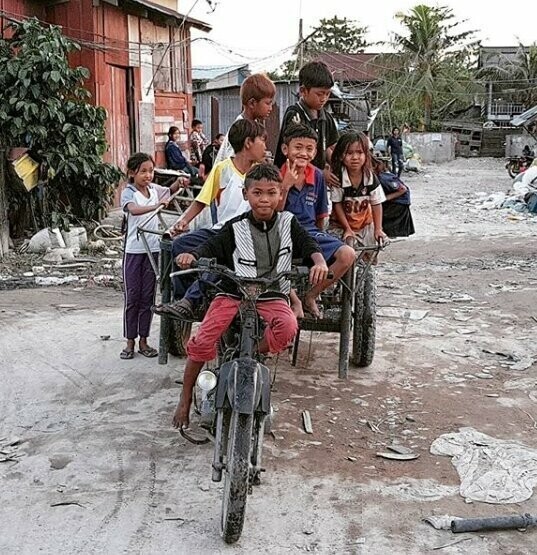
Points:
[(236, 476)]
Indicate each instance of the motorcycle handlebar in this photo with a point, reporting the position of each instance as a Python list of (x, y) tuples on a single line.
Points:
[(210, 265)]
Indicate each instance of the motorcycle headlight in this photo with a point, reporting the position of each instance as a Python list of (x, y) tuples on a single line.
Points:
[(206, 380)]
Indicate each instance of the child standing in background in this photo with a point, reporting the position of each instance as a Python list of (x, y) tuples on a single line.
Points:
[(257, 98), (198, 142), (139, 198), (357, 204)]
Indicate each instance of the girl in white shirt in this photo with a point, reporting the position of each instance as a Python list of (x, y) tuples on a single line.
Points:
[(139, 198)]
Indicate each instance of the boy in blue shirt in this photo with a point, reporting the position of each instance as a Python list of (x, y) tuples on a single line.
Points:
[(304, 195)]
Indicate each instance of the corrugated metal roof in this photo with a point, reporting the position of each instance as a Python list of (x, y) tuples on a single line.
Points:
[(202, 73), (525, 118), (201, 25), (351, 67)]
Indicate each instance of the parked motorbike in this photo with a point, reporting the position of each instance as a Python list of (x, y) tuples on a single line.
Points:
[(517, 164), (233, 399)]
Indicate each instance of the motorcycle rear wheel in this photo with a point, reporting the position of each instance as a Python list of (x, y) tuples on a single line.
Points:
[(236, 476)]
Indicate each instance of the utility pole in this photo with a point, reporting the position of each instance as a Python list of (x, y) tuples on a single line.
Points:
[(300, 44)]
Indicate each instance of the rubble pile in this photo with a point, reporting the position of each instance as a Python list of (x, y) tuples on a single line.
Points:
[(53, 258), (521, 199)]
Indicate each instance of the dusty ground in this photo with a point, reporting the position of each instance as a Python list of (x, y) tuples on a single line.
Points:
[(95, 430)]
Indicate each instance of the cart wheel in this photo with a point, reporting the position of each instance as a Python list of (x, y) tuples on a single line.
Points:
[(345, 323), (179, 336), (365, 320)]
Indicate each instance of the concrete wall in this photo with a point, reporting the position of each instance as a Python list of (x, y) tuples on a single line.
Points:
[(515, 143), (433, 147)]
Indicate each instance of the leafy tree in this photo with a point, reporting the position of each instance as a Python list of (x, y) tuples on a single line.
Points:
[(330, 35), (44, 106), (431, 66), (338, 35)]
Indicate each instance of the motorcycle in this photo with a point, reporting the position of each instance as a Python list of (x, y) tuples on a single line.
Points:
[(234, 398), (518, 164)]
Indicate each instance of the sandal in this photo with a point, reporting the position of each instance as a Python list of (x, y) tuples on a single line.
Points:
[(181, 309), (148, 352), (126, 354)]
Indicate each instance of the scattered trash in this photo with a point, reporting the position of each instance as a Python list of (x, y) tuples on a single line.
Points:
[(46, 239), (466, 331), (442, 296), (8, 450), (516, 362), (441, 522), (52, 280), (399, 449), (491, 470), (306, 419), (105, 337), (96, 246), (66, 503), (374, 427), (454, 353), (175, 518), (104, 278), (393, 312), (455, 542), (352, 459), (398, 456)]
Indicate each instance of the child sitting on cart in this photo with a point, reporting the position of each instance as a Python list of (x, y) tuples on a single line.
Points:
[(357, 204), (267, 240), (304, 195)]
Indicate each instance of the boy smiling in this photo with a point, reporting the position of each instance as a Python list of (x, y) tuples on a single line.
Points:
[(260, 243)]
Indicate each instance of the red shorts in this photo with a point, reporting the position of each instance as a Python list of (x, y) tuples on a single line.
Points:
[(281, 326)]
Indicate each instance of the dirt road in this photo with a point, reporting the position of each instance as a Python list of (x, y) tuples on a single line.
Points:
[(99, 468)]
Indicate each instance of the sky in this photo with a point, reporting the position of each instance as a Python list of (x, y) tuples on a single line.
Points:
[(257, 31)]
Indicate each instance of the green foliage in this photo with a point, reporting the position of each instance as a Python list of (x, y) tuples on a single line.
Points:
[(516, 79), (431, 67), (330, 35), (338, 35), (44, 106)]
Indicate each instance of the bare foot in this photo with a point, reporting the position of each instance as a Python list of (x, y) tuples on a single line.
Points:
[(311, 306), (296, 307), (182, 413)]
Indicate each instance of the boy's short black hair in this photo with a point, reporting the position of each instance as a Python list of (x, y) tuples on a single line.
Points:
[(196, 122), (243, 129), (315, 74), (267, 172), (299, 131)]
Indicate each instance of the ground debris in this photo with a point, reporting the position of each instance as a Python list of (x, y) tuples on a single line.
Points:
[(398, 456), (491, 470), (66, 503), (454, 542), (306, 420)]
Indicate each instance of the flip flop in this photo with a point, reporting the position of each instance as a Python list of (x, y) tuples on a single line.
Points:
[(126, 354), (148, 352)]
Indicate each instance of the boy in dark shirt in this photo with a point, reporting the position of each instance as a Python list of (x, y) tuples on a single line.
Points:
[(209, 154), (262, 232), (316, 82)]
